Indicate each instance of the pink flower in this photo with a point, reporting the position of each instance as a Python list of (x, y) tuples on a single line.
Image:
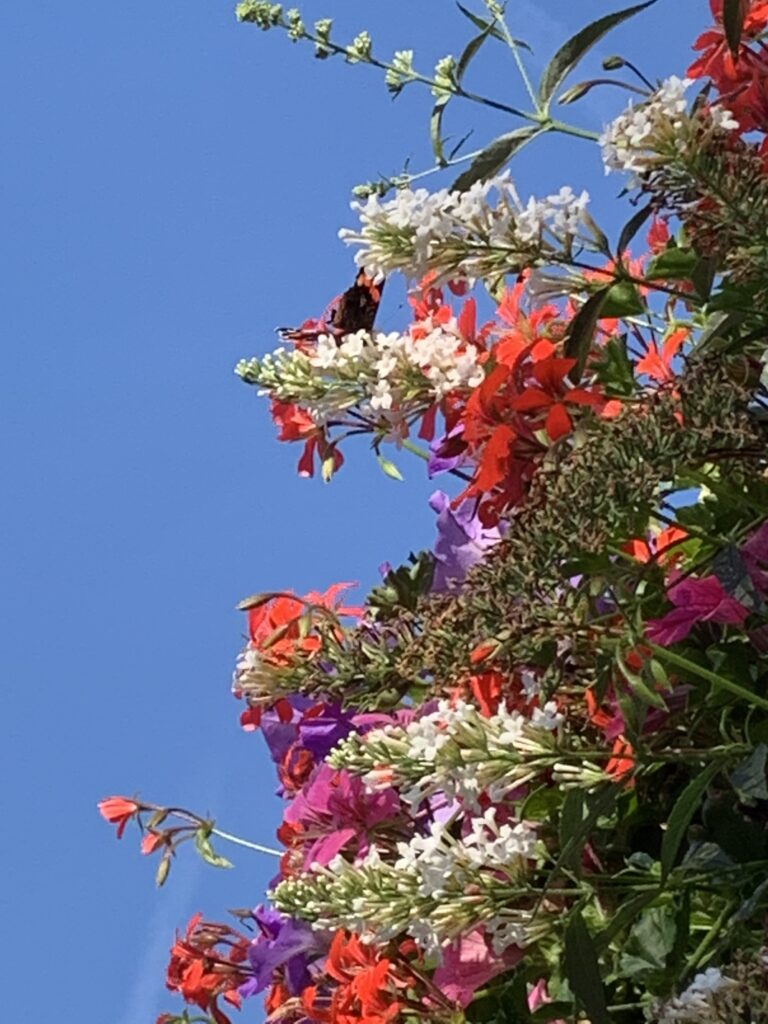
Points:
[(468, 964), (337, 812), (702, 600)]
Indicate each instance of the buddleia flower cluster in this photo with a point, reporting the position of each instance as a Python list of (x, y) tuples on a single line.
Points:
[(457, 234)]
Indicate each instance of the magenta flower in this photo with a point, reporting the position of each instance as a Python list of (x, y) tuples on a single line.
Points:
[(336, 813), (703, 600), (468, 964), (755, 555)]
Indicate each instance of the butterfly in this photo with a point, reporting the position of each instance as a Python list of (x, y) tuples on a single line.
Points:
[(353, 310)]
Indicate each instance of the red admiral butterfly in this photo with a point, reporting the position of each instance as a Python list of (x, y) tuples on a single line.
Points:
[(353, 310)]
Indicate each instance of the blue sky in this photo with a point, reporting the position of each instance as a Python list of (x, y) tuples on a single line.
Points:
[(171, 185)]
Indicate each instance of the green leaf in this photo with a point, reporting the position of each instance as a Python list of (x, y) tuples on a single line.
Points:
[(614, 368), (599, 803), (650, 942), (496, 32), (541, 803), (571, 817), (583, 970), (624, 916), (551, 1011), (682, 814), (631, 228), (436, 121), (734, 14), (569, 55), (581, 332), (748, 778), (481, 23), (496, 155), (207, 852), (389, 468), (674, 264), (623, 299)]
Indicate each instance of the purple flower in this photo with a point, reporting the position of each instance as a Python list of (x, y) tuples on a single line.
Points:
[(283, 943), (319, 733), (447, 452), (702, 600), (462, 540)]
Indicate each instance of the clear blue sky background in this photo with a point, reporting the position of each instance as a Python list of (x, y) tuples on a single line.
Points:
[(171, 187)]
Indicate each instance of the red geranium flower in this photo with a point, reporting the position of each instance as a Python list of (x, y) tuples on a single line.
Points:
[(118, 810)]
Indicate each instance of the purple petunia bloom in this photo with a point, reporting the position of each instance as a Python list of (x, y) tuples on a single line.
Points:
[(447, 452), (462, 541), (319, 733), (284, 942)]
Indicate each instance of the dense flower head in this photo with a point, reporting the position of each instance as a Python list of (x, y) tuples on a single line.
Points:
[(460, 234)]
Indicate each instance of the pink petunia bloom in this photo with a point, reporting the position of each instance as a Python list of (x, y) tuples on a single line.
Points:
[(337, 812), (468, 964), (695, 600)]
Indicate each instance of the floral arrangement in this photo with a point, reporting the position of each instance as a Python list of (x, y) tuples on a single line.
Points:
[(526, 780)]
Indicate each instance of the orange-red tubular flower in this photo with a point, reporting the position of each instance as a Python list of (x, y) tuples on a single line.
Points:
[(118, 810)]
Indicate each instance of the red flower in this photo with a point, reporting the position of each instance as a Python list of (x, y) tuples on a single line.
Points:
[(282, 627), (658, 363), (740, 77), (119, 810), (151, 842), (368, 985), (201, 971), (296, 424)]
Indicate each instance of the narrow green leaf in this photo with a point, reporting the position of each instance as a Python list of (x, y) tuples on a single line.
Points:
[(496, 32), (571, 817), (436, 121), (581, 332), (682, 815), (599, 803), (631, 228), (571, 52), (481, 23), (582, 970), (734, 14), (436, 129), (496, 155)]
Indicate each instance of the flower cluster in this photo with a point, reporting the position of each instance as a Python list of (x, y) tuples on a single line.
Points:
[(650, 134), (462, 234), (526, 778)]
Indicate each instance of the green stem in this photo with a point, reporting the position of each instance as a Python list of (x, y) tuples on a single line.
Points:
[(704, 673), (415, 449), (572, 129), (709, 939), (519, 61)]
